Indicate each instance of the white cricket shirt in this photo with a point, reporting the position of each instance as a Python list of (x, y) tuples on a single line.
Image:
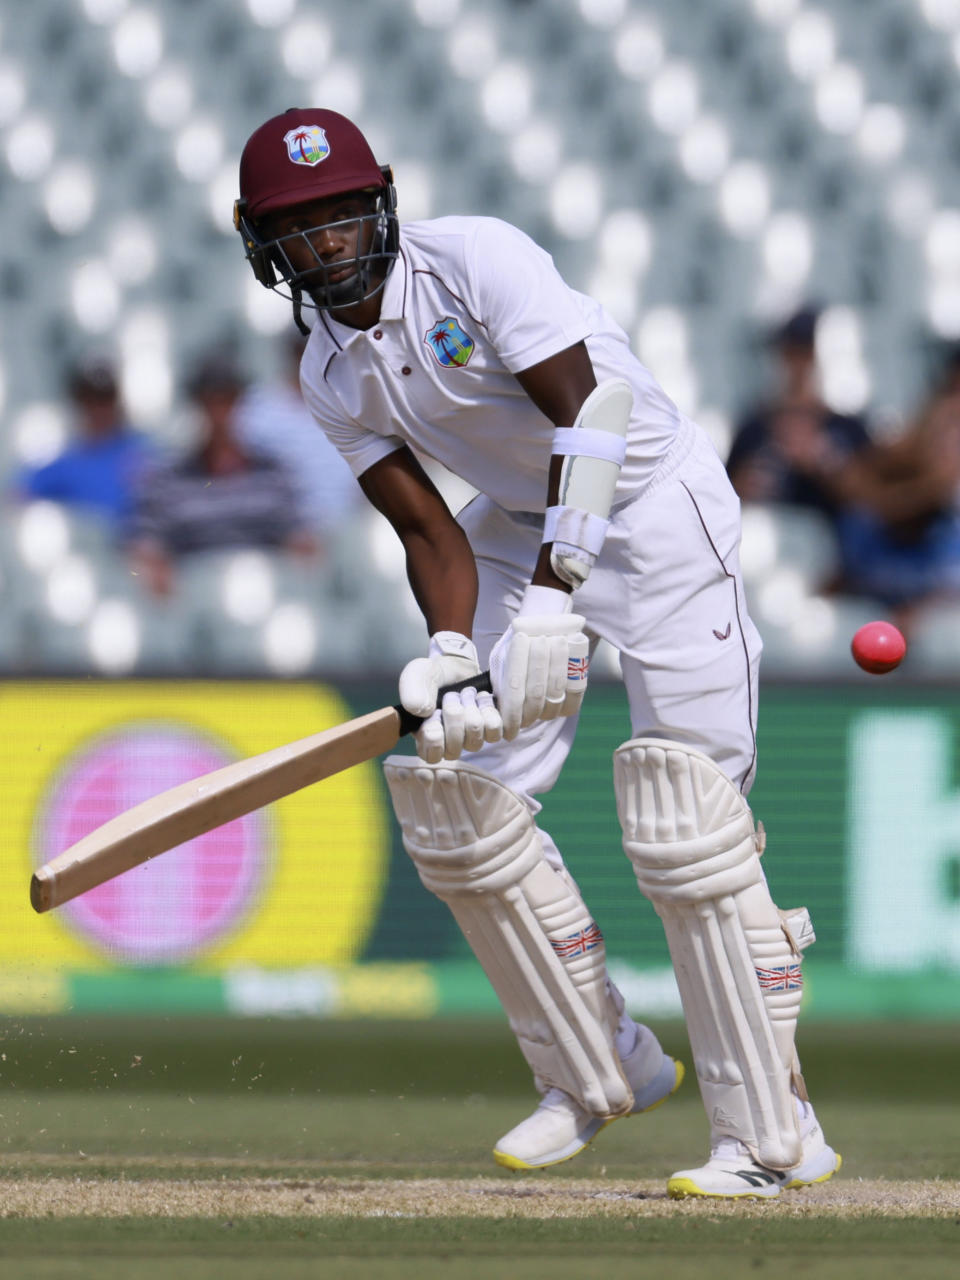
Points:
[(469, 303)]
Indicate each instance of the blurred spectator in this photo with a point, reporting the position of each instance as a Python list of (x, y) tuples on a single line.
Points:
[(220, 494), (100, 469), (779, 447), (273, 419), (900, 530)]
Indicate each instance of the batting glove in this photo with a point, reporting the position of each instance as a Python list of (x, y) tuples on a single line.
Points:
[(538, 667), (464, 721)]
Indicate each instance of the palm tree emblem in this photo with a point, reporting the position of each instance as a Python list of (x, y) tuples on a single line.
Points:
[(307, 144), (450, 344)]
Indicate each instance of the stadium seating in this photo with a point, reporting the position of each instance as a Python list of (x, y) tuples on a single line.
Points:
[(775, 150)]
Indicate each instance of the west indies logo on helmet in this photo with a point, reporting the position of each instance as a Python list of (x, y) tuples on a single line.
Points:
[(297, 158), (307, 145)]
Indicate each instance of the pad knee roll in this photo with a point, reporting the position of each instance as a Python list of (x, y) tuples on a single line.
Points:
[(476, 846)]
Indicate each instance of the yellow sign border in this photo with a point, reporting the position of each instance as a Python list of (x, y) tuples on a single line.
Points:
[(330, 841)]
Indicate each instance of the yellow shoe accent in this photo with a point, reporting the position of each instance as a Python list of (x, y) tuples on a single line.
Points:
[(681, 1072), (684, 1188), (825, 1177), (514, 1162)]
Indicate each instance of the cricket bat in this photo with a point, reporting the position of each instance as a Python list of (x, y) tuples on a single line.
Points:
[(195, 807)]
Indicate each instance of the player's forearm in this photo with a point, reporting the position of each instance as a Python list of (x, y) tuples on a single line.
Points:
[(543, 574), (443, 576), (440, 563)]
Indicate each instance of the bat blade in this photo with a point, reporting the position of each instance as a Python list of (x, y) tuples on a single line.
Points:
[(195, 807)]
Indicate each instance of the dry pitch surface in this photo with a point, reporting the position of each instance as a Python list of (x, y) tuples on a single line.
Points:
[(444, 1198)]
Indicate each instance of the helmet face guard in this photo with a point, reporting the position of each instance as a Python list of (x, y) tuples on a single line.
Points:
[(377, 249)]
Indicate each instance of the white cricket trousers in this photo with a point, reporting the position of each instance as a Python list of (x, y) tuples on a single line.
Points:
[(666, 592)]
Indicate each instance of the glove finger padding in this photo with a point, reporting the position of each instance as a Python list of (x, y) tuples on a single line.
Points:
[(490, 718), (472, 720), (464, 722), (453, 717), (530, 668), (430, 739)]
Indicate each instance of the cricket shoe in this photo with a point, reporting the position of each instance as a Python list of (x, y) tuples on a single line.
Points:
[(732, 1173), (560, 1128)]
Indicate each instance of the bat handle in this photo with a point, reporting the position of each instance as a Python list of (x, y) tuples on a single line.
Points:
[(409, 723)]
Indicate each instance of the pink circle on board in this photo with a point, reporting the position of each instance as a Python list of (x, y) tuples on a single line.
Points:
[(168, 909)]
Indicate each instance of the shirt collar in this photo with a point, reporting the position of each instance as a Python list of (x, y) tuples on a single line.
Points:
[(397, 289)]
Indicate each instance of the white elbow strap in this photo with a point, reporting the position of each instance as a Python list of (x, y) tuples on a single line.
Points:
[(593, 450), (574, 527), (586, 442)]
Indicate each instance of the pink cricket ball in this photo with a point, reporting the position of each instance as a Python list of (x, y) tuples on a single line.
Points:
[(878, 647)]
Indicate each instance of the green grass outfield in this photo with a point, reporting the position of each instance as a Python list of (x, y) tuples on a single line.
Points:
[(159, 1147)]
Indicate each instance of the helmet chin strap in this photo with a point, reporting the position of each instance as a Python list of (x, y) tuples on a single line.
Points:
[(298, 319)]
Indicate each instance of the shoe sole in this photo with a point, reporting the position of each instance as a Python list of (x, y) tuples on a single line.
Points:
[(687, 1189), (507, 1161)]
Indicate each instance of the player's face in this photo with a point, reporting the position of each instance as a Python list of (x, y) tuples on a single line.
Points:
[(318, 236)]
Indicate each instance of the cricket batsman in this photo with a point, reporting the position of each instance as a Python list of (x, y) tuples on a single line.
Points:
[(602, 512)]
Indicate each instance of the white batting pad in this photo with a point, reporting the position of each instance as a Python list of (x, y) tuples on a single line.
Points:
[(691, 838), (475, 845)]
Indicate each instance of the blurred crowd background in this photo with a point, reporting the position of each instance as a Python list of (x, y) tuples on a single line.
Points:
[(764, 193)]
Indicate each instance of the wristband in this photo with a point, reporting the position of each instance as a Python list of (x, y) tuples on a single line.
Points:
[(542, 601)]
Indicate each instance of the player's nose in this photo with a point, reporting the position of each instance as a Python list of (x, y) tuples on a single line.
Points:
[(327, 241)]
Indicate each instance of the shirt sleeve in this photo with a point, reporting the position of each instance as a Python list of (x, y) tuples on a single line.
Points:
[(43, 482), (528, 309)]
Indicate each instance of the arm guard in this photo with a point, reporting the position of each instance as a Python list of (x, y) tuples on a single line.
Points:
[(593, 450)]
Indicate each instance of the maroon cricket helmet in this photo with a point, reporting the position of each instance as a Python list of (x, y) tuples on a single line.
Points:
[(307, 154), (302, 155)]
